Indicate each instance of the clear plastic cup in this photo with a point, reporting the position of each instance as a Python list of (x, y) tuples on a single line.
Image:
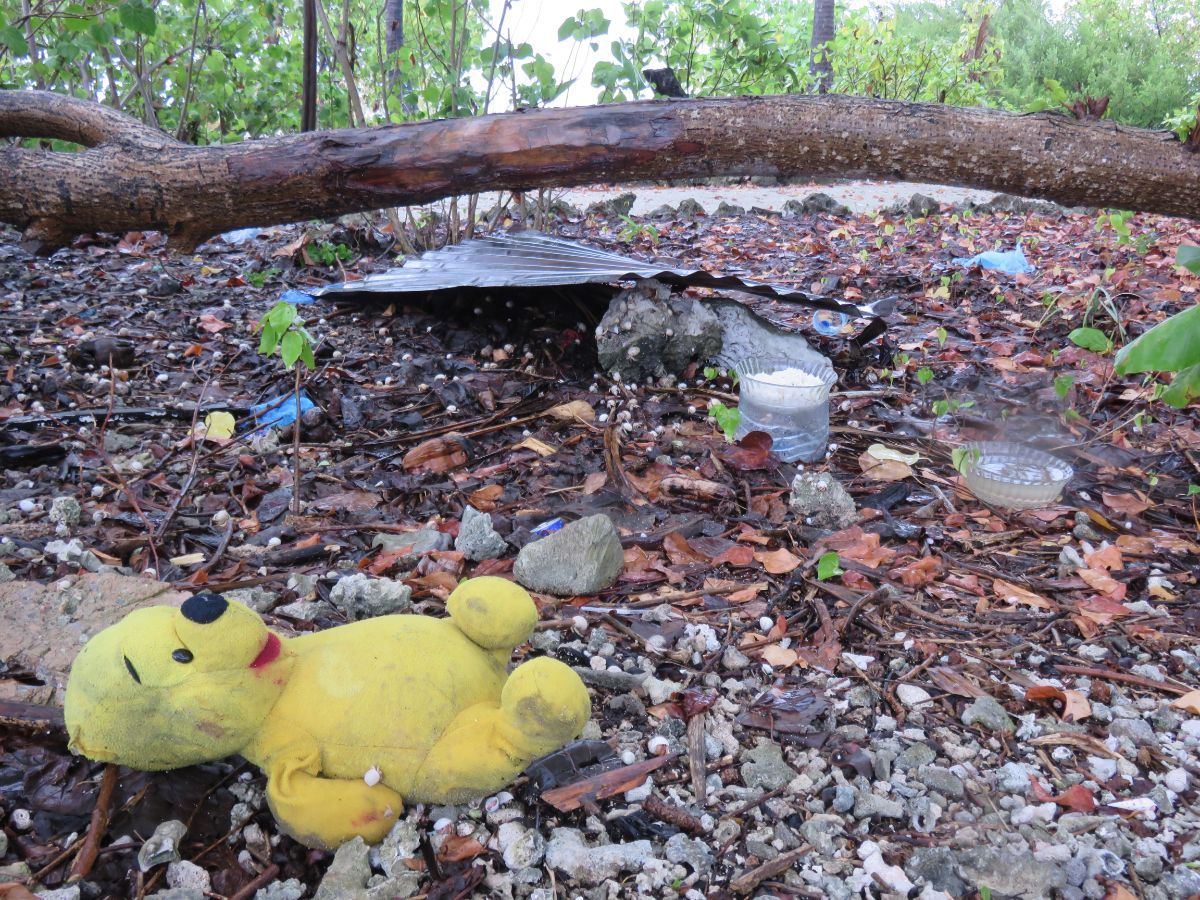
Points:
[(1014, 476), (789, 400)]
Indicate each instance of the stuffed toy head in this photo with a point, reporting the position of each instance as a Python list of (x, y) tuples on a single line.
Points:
[(348, 723), (168, 687)]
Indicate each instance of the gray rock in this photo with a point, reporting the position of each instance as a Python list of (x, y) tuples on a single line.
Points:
[(818, 499), (65, 511), (1009, 873), (400, 844), (734, 659), (614, 207), (646, 333), (937, 867), (1138, 731), (1076, 871), (6, 575), (818, 202), (666, 211), (582, 557), (942, 780), (844, 798), (348, 873), (477, 538), (690, 209), (1013, 778), (690, 852), (304, 610), (70, 893), (422, 541), (989, 715), (765, 767), (258, 599), (567, 852), (118, 443), (188, 876), (918, 205), (1164, 720), (1182, 882), (821, 831), (292, 889), (915, 756), (870, 805), (72, 553), (177, 894), (3, 843), (360, 596), (1007, 203), (729, 209), (520, 846), (162, 846)]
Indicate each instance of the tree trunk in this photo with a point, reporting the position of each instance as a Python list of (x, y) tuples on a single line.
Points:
[(308, 97), (135, 177), (820, 66)]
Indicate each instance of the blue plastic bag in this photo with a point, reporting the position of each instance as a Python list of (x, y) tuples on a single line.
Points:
[(1010, 262), (278, 412), (828, 322), (296, 298)]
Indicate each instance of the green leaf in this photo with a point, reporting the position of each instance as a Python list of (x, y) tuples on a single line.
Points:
[(270, 338), (306, 356), (1167, 347), (291, 348), (941, 407), (727, 418), (137, 16), (1193, 489), (828, 566), (1062, 385), (1188, 256), (961, 457), (924, 375), (1184, 389), (282, 315), (941, 336), (12, 38), (1091, 339)]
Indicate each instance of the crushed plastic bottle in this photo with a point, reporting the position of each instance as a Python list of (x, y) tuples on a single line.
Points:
[(829, 323)]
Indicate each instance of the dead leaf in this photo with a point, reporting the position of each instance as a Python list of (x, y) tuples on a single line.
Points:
[(211, 324), (1076, 798), (347, 501), (1011, 593), (885, 463), (862, 547), (575, 410), (680, 552), (1189, 702), (1118, 891), (751, 452), (14, 891), (485, 498), (778, 562), (1102, 610), (1107, 558), (439, 454), (606, 784), (779, 657), (1101, 581), (918, 573), (456, 848), (1072, 706), (736, 555), (594, 482), (541, 448), (954, 682), (1127, 504)]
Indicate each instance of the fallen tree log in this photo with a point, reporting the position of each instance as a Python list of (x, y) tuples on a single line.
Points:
[(135, 177)]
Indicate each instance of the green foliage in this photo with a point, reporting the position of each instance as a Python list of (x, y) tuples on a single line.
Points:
[(940, 334), (727, 417), (828, 566), (260, 278), (1188, 256), (632, 230), (325, 253), (1062, 385), (962, 457), (282, 332), (949, 406), (1091, 339), (924, 375)]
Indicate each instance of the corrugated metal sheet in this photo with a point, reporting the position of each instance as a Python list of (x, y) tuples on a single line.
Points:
[(533, 259)]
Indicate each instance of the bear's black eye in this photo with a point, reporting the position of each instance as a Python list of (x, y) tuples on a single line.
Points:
[(182, 656), (132, 670)]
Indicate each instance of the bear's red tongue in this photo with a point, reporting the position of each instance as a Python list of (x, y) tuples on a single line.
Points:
[(268, 653)]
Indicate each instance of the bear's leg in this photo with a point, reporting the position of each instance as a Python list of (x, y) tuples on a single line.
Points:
[(542, 707), (327, 812), (494, 613)]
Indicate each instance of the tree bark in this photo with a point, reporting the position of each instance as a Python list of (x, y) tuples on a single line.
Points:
[(134, 177), (820, 66)]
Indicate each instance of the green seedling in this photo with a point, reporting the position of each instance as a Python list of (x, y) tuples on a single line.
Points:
[(283, 333)]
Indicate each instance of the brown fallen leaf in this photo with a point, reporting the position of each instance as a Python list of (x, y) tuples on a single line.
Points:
[(575, 410), (594, 482), (14, 891), (736, 555), (1100, 580), (439, 454), (778, 562), (1127, 504), (456, 848), (751, 452), (918, 573), (485, 498), (779, 657), (883, 469), (1072, 706), (606, 784), (680, 552), (1189, 702), (1011, 593)]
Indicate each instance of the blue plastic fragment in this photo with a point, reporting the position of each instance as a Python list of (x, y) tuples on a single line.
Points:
[(278, 412), (291, 295), (546, 527), (829, 323), (240, 235), (1010, 262)]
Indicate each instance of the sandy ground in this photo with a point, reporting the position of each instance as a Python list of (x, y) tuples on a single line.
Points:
[(860, 196)]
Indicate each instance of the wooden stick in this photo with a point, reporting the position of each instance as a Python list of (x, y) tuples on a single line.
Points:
[(86, 858), (748, 881)]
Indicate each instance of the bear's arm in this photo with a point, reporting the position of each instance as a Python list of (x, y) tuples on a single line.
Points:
[(317, 811)]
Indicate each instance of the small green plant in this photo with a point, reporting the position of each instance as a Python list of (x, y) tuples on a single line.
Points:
[(924, 375), (962, 457), (282, 332), (941, 336), (828, 566), (727, 417), (326, 253), (1091, 339), (634, 230), (950, 405), (1062, 385), (1170, 346), (258, 279), (1193, 490)]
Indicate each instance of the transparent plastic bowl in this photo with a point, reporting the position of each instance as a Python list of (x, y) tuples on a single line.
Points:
[(1014, 476), (796, 416)]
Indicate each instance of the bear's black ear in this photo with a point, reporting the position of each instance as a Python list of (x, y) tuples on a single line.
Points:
[(204, 609)]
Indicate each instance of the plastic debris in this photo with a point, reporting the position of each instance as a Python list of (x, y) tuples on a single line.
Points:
[(240, 235), (547, 527), (278, 412), (219, 425), (1010, 262), (829, 323), (297, 298)]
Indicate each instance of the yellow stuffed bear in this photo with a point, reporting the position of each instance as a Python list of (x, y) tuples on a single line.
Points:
[(347, 723)]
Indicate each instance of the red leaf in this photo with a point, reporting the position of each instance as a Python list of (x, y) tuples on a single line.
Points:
[(751, 452)]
